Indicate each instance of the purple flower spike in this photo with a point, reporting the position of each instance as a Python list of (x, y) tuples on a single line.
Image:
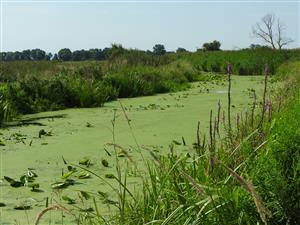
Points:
[(229, 68)]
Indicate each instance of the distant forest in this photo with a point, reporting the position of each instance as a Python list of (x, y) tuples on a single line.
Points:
[(66, 54)]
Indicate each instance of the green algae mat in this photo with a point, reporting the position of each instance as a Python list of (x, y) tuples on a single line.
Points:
[(37, 151)]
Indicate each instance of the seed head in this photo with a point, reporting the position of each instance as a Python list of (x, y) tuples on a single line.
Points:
[(229, 68)]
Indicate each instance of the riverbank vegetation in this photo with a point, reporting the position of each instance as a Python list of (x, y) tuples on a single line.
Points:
[(35, 86)]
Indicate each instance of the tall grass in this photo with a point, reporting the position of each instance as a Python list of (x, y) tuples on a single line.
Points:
[(244, 62), (6, 112)]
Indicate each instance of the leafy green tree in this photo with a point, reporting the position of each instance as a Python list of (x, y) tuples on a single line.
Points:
[(95, 54), (37, 54), (9, 56), (65, 54), (26, 54), (181, 50), (212, 46), (79, 55), (159, 49)]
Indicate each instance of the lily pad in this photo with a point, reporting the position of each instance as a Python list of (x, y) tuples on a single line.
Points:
[(2, 143), (13, 183), (67, 175), (176, 142), (34, 187), (59, 185), (22, 207), (88, 124), (109, 201), (71, 168), (68, 200), (85, 161), (104, 163), (85, 195), (83, 175), (42, 132), (109, 176), (26, 179), (102, 194), (121, 155), (90, 209), (31, 173)]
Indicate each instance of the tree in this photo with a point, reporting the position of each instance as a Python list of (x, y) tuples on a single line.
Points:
[(95, 54), (212, 46), (181, 50), (26, 54), (159, 49), (271, 31), (79, 55), (257, 46), (37, 54), (65, 54)]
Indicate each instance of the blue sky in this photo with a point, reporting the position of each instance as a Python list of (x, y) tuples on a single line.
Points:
[(53, 25)]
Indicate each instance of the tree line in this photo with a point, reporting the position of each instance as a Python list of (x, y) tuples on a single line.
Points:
[(66, 54)]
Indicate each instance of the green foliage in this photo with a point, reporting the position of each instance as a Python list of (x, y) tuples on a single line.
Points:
[(244, 62), (279, 176), (31, 86), (159, 49), (65, 54), (181, 50), (34, 54), (212, 46)]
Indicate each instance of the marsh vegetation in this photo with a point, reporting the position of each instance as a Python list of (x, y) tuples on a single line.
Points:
[(179, 155)]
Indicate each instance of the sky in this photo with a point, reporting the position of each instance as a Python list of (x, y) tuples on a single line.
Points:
[(52, 25)]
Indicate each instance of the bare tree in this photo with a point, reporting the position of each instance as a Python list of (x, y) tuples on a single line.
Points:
[(271, 31)]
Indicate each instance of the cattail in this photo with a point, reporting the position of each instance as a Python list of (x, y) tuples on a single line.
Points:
[(229, 68)]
